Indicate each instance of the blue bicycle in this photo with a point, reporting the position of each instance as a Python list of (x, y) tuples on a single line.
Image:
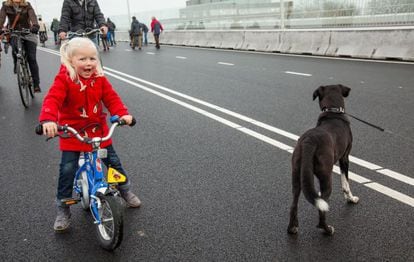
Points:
[(96, 191)]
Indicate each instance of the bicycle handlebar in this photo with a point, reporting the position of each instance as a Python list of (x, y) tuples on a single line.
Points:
[(24, 31), (81, 33), (66, 128)]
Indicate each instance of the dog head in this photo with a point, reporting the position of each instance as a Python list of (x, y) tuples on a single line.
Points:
[(331, 96)]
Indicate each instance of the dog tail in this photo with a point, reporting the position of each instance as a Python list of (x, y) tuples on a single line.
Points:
[(307, 178)]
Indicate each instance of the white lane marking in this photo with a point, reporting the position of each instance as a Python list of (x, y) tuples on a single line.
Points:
[(297, 73), (391, 193), (181, 57), (352, 176), (150, 53), (364, 163), (128, 50), (397, 176), (224, 63)]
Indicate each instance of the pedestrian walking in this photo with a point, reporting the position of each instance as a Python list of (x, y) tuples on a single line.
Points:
[(54, 27), (42, 32), (111, 31), (156, 29)]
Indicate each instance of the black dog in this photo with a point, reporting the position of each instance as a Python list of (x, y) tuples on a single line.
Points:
[(316, 152)]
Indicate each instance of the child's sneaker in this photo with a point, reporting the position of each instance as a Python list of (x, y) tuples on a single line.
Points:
[(62, 221), (131, 199)]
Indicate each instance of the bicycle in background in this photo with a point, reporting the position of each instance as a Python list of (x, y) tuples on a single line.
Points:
[(95, 190), (24, 77)]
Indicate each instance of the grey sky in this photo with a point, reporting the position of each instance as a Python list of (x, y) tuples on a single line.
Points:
[(51, 8)]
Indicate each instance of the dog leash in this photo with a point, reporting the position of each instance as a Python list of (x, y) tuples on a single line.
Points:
[(365, 122), (341, 110), (381, 129)]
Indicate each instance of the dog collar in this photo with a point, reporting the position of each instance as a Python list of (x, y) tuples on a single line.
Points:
[(338, 110)]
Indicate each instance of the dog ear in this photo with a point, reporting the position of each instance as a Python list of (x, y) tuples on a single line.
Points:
[(345, 90), (316, 93)]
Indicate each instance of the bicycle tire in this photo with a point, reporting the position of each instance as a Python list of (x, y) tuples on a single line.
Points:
[(22, 81), (84, 186), (111, 230), (30, 81)]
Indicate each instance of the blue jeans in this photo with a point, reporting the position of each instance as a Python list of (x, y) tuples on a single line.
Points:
[(69, 165)]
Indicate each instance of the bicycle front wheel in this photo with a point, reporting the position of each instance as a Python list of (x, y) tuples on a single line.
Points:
[(23, 82), (111, 229)]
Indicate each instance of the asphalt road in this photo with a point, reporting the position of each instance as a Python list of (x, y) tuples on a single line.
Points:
[(210, 160)]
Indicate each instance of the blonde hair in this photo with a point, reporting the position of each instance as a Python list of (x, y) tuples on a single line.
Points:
[(70, 48), (22, 3)]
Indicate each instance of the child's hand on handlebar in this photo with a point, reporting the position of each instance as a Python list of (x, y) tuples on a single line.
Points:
[(127, 119), (50, 129)]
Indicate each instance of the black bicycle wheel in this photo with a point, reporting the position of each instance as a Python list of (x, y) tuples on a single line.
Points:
[(30, 81), (111, 230), (22, 80)]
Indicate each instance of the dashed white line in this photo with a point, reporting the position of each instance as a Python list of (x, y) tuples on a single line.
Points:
[(224, 63), (181, 57), (297, 73)]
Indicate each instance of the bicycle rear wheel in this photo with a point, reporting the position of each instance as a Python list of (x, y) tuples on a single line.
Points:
[(111, 229), (30, 81), (23, 82)]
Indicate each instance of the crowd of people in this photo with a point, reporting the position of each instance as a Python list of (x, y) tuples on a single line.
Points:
[(80, 89)]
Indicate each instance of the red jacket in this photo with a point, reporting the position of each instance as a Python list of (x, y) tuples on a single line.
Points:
[(68, 103)]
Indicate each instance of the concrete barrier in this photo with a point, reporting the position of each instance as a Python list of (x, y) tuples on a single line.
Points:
[(265, 41), (397, 44), (305, 42), (359, 43)]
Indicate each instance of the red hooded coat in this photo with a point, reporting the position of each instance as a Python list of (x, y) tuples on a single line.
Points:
[(79, 104)]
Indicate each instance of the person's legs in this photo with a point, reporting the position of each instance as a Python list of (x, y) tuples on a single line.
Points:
[(30, 48), (113, 37), (13, 43), (112, 160), (67, 171), (157, 40)]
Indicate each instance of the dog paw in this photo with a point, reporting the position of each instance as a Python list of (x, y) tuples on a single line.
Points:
[(353, 199), (329, 230), (293, 230)]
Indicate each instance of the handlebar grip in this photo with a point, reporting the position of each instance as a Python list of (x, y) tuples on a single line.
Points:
[(39, 129)]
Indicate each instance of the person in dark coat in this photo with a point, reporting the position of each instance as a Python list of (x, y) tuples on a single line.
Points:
[(145, 33), (26, 19), (111, 31), (136, 33), (54, 27), (81, 15)]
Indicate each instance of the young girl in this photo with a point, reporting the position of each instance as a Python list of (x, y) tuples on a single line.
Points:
[(77, 96)]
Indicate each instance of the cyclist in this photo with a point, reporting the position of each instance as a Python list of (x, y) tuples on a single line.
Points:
[(22, 16), (76, 98), (80, 15)]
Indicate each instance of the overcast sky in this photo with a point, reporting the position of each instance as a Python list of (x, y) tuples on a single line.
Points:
[(51, 8)]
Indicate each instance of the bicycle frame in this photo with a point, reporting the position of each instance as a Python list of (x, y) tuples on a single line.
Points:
[(96, 182)]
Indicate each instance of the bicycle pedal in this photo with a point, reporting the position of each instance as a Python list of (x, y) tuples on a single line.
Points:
[(70, 201)]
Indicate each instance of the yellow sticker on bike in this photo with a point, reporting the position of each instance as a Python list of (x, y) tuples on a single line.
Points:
[(114, 176)]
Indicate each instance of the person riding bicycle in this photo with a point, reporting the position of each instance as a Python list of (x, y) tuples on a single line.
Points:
[(21, 15), (81, 15), (77, 98)]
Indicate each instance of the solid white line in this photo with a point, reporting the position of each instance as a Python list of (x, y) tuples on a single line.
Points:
[(150, 53), (297, 73), (364, 163), (224, 63), (397, 176), (391, 193), (181, 57)]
